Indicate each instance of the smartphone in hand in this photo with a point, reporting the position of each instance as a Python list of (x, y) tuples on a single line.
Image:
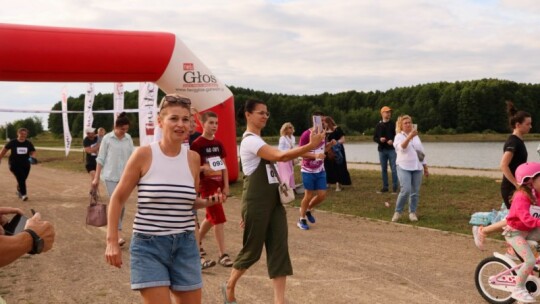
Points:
[(415, 127), (317, 123), (16, 224)]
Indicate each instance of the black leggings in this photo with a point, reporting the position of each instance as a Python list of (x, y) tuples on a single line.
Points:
[(507, 191), (21, 174)]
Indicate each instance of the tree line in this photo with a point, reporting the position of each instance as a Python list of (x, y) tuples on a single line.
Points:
[(477, 106), (33, 124)]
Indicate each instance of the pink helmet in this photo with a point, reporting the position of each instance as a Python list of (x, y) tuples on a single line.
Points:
[(527, 170)]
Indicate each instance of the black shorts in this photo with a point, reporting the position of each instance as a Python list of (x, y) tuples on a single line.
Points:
[(90, 167)]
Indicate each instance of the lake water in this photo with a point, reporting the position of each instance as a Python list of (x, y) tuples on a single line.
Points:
[(479, 155)]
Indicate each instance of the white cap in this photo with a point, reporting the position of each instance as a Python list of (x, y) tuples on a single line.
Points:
[(89, 130)]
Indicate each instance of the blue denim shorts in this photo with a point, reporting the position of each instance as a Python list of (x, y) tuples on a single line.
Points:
[(314, 181), (165, 260)]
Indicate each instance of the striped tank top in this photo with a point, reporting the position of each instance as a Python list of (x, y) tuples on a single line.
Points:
[(165, 195)]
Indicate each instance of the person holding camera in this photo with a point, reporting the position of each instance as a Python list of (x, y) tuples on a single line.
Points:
[(37, 237), (21, 157), (411, 166)]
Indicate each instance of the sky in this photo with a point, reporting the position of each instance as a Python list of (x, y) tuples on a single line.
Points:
[(306, 46)]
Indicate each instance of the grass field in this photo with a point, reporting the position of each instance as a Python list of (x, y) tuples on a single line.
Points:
[(446, 202)]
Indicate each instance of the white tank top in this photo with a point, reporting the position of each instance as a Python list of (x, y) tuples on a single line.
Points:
[(165, 195)]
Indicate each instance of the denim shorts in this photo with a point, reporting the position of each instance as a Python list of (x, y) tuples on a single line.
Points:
[(165, 260), (314, 181)]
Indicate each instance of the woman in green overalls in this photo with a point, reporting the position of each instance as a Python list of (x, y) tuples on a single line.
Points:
[(263, 215)]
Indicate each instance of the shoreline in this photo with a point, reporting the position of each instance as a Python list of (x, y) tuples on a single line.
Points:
[(491, 173)]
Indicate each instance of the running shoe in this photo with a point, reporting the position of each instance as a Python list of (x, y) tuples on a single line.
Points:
[(302, 224), (24, 198), (396, 216), (310, 217), (413, 217)]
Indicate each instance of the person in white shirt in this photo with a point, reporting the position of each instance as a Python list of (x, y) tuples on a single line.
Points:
[(263, 216), (287, 142), (411, 165)]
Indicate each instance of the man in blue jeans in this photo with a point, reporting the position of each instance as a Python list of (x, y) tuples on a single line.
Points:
[(385, 131)]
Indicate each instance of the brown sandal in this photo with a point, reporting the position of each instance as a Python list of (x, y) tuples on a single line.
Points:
[(207, 263), (225, 260)]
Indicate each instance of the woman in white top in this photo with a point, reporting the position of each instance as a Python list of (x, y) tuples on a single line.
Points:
[(264, 217), (411, 165), (164, 254), (287, 142)]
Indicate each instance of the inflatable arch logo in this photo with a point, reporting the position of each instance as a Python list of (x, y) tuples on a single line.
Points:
[(54, 54)]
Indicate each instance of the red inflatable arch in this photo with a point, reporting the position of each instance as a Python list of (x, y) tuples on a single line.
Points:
[(53, 54)]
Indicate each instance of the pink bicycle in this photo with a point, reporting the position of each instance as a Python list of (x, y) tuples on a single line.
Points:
[(495, 277)]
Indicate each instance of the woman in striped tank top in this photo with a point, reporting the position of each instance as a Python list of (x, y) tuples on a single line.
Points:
[(164, 254)]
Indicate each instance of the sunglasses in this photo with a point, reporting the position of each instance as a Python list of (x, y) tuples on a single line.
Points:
[(267, 114), (176, 100)]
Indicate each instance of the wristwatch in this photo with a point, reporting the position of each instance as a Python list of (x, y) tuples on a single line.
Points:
[(37, 242)]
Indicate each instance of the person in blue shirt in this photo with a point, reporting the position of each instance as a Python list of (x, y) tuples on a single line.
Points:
[(115, 149)]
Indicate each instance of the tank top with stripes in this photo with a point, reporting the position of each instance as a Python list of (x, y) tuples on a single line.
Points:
[(165, 195)]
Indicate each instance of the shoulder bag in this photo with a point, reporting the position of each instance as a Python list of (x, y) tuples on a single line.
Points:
[(96, 214), (286, 193)]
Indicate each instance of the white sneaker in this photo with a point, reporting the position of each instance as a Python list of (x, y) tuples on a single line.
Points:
[(396, 217), (479, 236), (413, 217), (24, 197), (522, 295)]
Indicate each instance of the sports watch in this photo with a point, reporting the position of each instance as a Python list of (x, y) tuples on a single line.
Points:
[(37, 242)]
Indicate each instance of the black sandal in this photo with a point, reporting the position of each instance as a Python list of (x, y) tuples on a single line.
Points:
[(225, 260)]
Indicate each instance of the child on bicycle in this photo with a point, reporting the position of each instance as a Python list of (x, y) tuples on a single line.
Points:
[(515, 154), (522, 225)]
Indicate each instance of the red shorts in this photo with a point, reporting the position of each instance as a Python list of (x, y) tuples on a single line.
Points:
[(214, 214)]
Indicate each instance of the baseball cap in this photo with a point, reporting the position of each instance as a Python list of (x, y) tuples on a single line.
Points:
[(89, 130), (386, 109)]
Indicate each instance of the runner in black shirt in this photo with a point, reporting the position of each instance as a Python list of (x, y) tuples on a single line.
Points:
[(514, 154), (22, 155), (91, 147)]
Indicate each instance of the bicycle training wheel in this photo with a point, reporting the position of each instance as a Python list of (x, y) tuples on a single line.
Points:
[(489, 267)]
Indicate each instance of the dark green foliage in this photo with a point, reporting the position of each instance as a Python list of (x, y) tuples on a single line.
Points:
[(438, 108), (33, 124)]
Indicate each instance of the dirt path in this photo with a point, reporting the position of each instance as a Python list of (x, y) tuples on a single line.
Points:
[(341, 259)]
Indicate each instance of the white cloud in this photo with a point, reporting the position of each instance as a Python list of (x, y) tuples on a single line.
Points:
[(314, 46)]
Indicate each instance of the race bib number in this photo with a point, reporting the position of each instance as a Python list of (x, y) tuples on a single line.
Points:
[(535, 211), (22, 150), (216, 163), (272, 178)]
